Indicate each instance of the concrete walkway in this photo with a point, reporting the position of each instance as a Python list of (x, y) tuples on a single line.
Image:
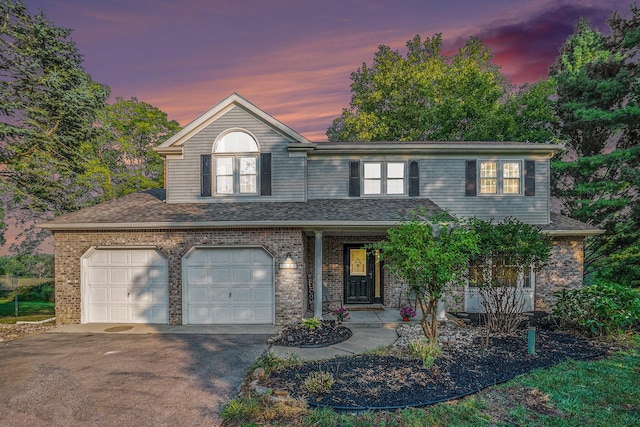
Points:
[(371, 329)]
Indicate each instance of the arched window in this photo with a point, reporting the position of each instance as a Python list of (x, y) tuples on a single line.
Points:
[(236, 164)]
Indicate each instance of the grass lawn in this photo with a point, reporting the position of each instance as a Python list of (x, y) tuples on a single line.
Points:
[(28, 310), (575, 393)]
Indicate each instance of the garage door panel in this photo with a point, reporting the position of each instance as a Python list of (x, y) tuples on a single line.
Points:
[(99, 314), (262, 275), (197, 295), (118, 257), (242, 314), (118, 276), (262, 314), (159, 295), (99, 295), (99, 276), (219, 294), (239, 286), (118, 314), (125, 286), (242, 256), (220, 275), (262, 295), (199, 315), (198, 276), (241, 294), (156, 276), (118, 295), (242, 274)]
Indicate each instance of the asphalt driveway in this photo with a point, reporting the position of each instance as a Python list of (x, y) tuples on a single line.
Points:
[(122, 380)]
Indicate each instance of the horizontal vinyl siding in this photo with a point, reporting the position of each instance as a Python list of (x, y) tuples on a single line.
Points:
[(288, 173), (443, 181), (328, 178)]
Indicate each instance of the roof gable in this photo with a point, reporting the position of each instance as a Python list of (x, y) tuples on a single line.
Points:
[(176, 142)]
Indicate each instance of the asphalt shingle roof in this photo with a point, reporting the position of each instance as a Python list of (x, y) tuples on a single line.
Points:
[(147, 209)]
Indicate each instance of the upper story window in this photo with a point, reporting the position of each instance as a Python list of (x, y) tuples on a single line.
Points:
[(500, 177), (384, 178), (235, 164)]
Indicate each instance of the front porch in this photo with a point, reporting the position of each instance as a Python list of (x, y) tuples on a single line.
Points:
[(350, 276)]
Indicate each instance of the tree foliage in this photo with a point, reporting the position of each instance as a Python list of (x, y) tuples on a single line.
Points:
[(62, 146), (48, 104), (429, 254), (431, 96), (597, 178), (121, 159), (507, 252)]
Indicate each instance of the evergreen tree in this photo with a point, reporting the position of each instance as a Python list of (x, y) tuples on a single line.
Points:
[(597, 178)]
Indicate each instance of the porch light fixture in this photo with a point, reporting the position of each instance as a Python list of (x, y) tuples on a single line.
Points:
[(288, 262)]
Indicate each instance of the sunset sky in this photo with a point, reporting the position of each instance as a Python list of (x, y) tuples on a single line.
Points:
[(293, 58)]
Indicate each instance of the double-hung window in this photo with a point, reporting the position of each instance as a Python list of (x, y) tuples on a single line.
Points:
[(500, 177), (236, 164), (384, 178)]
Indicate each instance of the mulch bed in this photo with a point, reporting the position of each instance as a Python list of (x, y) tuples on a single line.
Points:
[(296, 335), (375, 382)]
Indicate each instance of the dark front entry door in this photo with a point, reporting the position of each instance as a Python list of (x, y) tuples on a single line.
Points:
[(362, 271)]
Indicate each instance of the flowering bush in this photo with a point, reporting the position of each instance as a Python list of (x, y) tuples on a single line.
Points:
[(341, 313), (407, 312)]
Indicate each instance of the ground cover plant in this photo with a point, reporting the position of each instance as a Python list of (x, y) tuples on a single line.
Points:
[(549, 396)]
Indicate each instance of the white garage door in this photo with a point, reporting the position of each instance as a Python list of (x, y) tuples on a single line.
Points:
[(125, 286), (227, 286)]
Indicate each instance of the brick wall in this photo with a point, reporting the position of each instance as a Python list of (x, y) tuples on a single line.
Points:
[(174, 244), (564, 269)]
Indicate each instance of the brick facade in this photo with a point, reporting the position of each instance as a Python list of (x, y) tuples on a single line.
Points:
[(564, 268), (70, 246)]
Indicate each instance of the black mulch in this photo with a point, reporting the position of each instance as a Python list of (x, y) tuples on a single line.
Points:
[(296, 335), (386, 382)]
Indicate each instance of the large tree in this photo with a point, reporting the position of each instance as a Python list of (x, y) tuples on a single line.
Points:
[(62, 146), (597, 178), (48, 105), (427, 95), (121, 158)]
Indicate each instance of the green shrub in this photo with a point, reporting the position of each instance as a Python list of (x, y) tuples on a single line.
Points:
[(41, 292), (598, 310)]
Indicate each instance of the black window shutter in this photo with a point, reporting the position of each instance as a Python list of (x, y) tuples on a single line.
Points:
[(471, 186), (265, 174), (529, 178), (414, 179), (354, 179), (205, 173)]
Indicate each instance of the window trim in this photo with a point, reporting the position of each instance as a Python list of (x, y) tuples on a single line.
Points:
[(384, 179), (500, 179), (236, 157)]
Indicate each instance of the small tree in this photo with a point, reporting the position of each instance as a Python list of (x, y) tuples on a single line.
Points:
[(508, 251), (429, 254)]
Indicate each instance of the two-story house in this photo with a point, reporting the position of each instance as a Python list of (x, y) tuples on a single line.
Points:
[(254, 217)]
